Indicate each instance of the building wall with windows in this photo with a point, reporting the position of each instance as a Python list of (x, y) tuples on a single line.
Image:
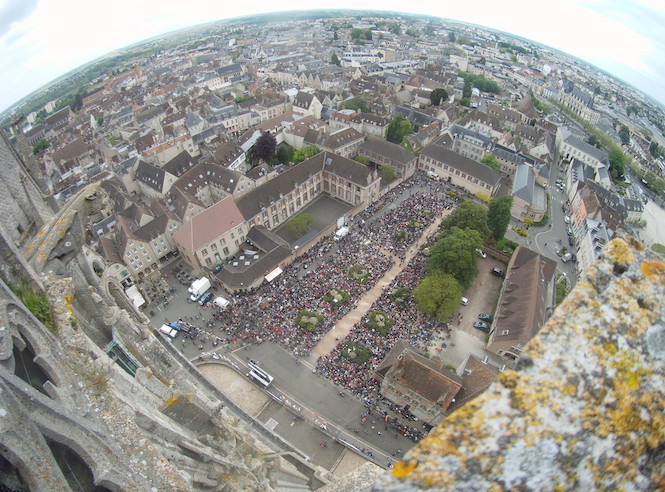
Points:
[(459, 170)]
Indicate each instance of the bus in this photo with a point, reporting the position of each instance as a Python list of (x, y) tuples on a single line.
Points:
[(259, 375)]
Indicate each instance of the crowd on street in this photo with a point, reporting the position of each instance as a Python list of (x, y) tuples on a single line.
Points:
[(379, 238)]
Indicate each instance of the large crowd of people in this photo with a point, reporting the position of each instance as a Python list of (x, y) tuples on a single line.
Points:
[(380, 236)]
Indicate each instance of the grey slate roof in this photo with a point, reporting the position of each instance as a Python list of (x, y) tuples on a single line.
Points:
[(458, 161), (585, 147), (271, 192), (180, 164), (524, 182), (396, 153), (150, 175)]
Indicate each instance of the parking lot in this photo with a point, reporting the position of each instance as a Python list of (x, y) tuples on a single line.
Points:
[(483, 296)]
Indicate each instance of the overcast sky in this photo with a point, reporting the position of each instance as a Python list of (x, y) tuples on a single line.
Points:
[(43, 39)]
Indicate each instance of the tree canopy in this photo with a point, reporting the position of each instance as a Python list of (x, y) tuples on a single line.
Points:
[(386, 171), (398, 128), (40, 146), (617, 162), (334, 59), (480, 82), (498, 215), (284, 153), (265, 146), (437, 95), (455, 253), (491, 161), (466, 90), (438, 295), (361, 34), (305, 153), (358, 103), (624, 134), (470, 215), (300, 224)]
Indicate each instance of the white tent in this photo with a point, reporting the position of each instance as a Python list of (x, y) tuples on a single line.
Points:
[(272, 275), (136, 297)]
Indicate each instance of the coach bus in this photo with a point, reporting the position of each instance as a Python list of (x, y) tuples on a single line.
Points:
[(259, 375)]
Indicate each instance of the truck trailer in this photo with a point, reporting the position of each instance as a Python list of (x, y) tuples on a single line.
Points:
[(198, 288)]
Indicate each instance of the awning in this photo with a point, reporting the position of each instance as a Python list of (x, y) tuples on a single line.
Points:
[(136, 297), (272, 275)]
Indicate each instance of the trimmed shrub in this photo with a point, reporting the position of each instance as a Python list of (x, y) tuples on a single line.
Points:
[(309, 321), (337, 297), (357, 353)]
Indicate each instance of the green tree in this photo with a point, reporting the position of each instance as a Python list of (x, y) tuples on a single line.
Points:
[(300, 224), (265, 146), (624, 134), (284, 154), (498, 215), (466, 91), (455, 253), (363, 159), (451, 37), (40, 146), (655, 149), (593, 140), (469, 215), (437, 95), (398, 129), (438, 295), (358, 103), (335, 36), (617, 163), (305, 153), (491, 161), (465, 101), (387, 172), (334, 59), (359, 34)]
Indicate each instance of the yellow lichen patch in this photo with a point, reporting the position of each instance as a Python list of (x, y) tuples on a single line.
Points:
[(172, 400), (620, 252), (509, 379), (569, 390), (401, 469), (654, 270), (629, 369)]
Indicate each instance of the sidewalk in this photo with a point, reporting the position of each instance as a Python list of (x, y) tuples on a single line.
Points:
[(345, 325)]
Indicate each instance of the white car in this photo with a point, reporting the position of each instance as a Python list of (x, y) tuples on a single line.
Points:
[(481, 253)]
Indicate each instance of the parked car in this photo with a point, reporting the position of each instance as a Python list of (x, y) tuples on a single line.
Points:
[(497, 271), (566, 219), (569, 231), (205, 298), (571, 242), (573, 258), (485, 317), (482, 326), (218, 268), (465, 301), (481, 253)]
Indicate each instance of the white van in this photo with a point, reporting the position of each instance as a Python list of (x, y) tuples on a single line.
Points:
[(167, 330), (465, 301), (220, 302), (342, 232)]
